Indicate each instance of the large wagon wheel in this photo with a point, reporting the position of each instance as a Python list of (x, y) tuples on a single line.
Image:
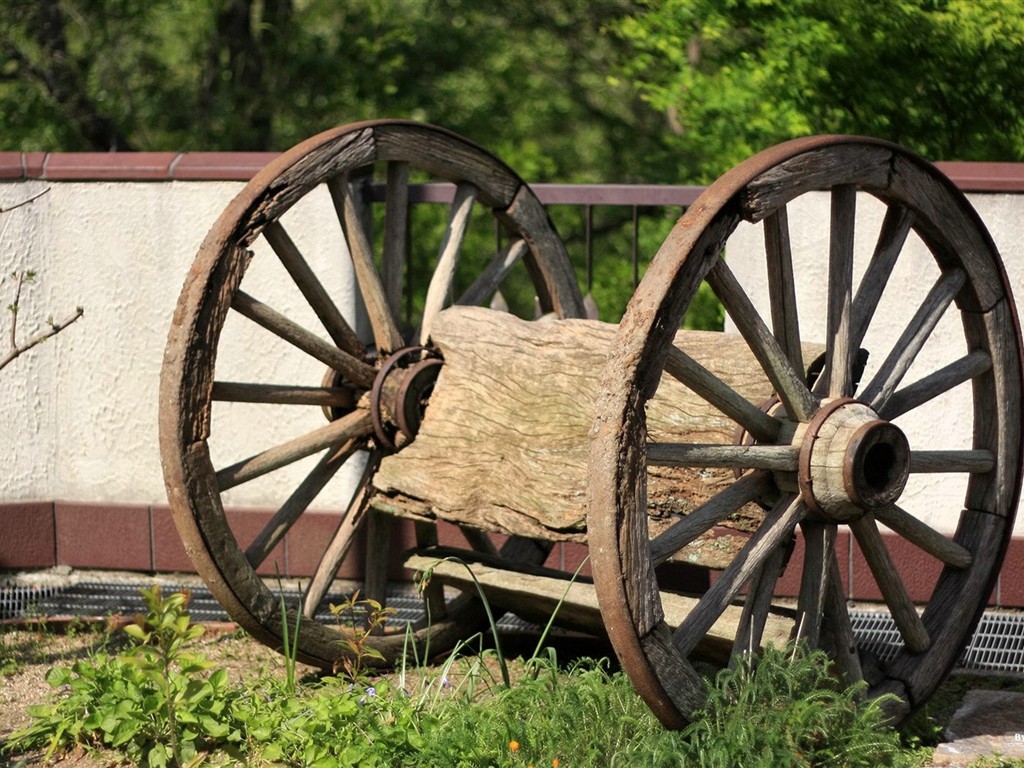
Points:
[(320, 404), (828, 452)]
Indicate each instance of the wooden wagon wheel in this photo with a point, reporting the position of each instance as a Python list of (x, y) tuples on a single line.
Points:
[(345, 397), (828, 453)]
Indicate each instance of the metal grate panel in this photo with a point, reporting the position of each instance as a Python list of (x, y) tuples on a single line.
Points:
[(23, 602), (876, 632), (997, 644), (97, 599)]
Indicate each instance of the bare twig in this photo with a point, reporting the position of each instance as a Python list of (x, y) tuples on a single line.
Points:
[(17, 350), (23, 277), (26, 201)]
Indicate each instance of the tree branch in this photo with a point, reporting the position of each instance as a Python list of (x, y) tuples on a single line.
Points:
[(26, 201), (55, 328)]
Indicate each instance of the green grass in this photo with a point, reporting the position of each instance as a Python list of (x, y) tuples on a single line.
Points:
[(157, 703)]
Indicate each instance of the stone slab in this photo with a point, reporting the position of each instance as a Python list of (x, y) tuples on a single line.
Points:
[(988, 723)]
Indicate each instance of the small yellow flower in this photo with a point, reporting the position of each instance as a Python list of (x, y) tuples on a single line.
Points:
[(513, 745), (555, 763)]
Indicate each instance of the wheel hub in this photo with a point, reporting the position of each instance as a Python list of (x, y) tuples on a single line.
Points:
[(851, 461), (400, 393)]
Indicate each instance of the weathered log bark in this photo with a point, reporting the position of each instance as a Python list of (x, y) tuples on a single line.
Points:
[(503, 444)]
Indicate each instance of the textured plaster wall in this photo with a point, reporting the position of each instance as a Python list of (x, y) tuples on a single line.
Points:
[(78, 414)]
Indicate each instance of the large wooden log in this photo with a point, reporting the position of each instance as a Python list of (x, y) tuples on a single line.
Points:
[(503, 444)]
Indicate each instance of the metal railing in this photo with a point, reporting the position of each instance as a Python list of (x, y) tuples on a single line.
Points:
[(573, 206)]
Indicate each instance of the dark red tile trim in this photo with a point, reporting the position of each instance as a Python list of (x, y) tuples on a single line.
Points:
[(11, 165), (984, 177), (240, 166), (97, 535), (1010, 589), (142, 166), (27, 535), (40, 534), (223, 166)]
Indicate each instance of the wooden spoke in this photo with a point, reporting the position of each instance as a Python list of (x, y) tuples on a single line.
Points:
[(685, 369), (937, 383), (312, 289), (890, 585), (840, 295), (341, 542), (891, 237), (776, 457), (282, 394), (479, 541), (907, 347), (298, 502), (758, 605), (441, 284), (782, 286), (924, 536), (926, 462), (745, 490), (838, 630), (378, 556), (776, 529), (355, 370), (386, 334), (788, 382), (396, 232), (350, 427), (486, 284), (819, 555)]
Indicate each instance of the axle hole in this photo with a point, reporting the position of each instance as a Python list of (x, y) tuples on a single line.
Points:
[(879, 463)]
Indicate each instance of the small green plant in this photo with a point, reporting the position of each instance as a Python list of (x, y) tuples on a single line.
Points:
[(289, 640), (8, 662), (361, 619), (783, 707), (152, 702), (161, 656)]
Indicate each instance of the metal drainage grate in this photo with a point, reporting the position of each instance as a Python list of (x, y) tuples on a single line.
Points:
[(102, 599), (22, 602), (997, 644), (876, 632)]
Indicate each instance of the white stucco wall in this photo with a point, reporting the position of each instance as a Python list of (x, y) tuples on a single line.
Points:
[(78, 414)]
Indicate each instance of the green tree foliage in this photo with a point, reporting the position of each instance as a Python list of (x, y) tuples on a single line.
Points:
[(734, 76), (526, 78)]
